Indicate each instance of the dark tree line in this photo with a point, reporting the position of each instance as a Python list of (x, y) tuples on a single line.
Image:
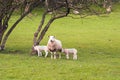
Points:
[(56, 8)]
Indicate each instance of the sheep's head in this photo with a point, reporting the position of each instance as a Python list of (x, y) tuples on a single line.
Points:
[(51, 38)]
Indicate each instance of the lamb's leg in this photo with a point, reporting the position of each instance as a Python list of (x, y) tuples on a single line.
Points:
[(74, 56), (46, 53), (59, 55), (67, 56), (51, 55), (39, 53)]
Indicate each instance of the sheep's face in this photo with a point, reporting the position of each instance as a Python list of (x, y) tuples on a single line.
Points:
[(51, 38)]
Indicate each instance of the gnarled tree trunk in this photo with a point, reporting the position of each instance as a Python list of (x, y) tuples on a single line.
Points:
[(7, 7)]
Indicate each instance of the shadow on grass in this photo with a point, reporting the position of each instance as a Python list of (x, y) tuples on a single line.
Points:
[(11, 52)]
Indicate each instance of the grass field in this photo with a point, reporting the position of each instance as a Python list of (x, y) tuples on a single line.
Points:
[(97, 40)]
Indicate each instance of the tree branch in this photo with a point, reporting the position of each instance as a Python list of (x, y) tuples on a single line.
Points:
[(47, 27), (39, 28), (33, 5)]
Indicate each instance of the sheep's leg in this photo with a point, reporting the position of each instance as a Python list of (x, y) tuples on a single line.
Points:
[(51, 55), (39, 53), (54, 55), (59, 55), (67, 56), (75, 57), (46, 53)]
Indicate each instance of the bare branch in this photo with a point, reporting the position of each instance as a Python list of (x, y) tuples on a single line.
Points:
[(39, 28), (32, 6)]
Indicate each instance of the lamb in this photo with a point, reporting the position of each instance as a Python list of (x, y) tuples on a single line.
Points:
[(54, 46), (72, 51), (39, 50)]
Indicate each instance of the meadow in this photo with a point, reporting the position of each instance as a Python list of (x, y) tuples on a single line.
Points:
[(97, 39)]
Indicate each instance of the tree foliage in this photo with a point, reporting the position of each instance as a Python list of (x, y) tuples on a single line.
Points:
[(57, 9), (7, 8), (62, 8)]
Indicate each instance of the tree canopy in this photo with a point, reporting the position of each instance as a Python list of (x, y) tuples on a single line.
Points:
[(57, 8)]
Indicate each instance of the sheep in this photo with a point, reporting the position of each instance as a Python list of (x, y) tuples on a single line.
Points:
[(108, 9), (72, 51), (75, 12), (39, 50), (54, 46)]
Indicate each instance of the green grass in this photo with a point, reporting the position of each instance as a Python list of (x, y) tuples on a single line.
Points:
[(97, 40)]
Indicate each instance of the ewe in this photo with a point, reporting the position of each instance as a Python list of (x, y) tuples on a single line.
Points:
[(54, 46)]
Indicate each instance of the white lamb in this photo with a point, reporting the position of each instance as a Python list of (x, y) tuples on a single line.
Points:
[(54, 46), (39, 50), (72, 51)]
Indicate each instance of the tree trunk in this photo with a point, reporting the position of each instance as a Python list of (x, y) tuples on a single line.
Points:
[(45, 30), (6, 10), (11, 29), (39, 28), (1, 35), (2, 31)]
